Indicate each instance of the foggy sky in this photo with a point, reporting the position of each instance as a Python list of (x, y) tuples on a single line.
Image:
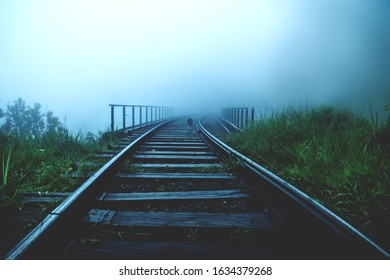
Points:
[(77, 56)]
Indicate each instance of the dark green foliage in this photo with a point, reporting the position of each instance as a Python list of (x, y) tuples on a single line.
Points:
[(23, 121), (383, 134), (53, 124), (337, 157), (37, 154)]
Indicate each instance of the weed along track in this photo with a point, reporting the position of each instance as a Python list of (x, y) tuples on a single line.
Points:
[(177, 192)]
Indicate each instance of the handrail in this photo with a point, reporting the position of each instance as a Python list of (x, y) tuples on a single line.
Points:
[(142, 115), (238, 116)]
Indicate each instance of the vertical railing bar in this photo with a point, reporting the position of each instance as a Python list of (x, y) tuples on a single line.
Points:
[(133, 116), (140, 116), (246, 116), (124, 117), (147, 114), (235, 116), (112, 118)]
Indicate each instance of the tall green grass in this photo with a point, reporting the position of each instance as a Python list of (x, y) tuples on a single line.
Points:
[(337, 157), (41, 164), (5, 168)]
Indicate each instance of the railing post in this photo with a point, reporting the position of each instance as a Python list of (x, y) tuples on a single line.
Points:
[(124, 116), (112, 118), (151, 114), (133, 115), (140, 116), (236, 117), (239, 118), (246, 116)]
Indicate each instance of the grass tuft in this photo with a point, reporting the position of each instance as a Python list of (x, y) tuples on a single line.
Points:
[(42, 163), (337, 157), (5, 169)]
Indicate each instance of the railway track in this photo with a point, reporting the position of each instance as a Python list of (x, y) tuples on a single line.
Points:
[(178, 192)]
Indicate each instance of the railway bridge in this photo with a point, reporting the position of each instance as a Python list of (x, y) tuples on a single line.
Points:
[(172, 189)]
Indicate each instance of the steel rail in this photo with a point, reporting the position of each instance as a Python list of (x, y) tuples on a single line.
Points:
[(300, 201), (232, 124), (54, 223), (224, 127)]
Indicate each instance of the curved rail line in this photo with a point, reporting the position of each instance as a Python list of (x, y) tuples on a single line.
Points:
[(178, 192)]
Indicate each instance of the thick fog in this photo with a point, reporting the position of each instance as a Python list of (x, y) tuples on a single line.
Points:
[(77, 56)]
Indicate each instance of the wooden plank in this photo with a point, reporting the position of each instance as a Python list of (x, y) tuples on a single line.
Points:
[(119, 146), (179, 219), (47, 194), (178, 165), (174, 153), (173, 176), (178, 137), (30, 214), (194, 157), (174, 139), (104, 155), (182, 132), (89, 164), (109, 249), (187, 195), (81, 174), (175, 143), (178, 134), (165, 147), (44, 197)]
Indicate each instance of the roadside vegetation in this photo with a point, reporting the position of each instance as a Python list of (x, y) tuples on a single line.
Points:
[(336, 156), (37, 152)]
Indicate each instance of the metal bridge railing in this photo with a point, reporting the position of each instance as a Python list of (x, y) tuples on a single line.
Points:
[(239, 116), (142, 115)]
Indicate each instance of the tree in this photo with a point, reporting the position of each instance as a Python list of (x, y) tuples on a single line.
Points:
[(29, 122), (53, 124), (37, 123), (17, 119)]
